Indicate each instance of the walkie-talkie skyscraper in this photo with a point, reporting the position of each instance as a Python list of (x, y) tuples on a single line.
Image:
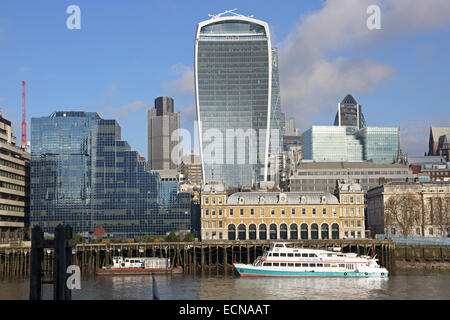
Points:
[(233, 86)]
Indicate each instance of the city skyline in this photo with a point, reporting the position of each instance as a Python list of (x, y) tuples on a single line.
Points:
[(109, 68)]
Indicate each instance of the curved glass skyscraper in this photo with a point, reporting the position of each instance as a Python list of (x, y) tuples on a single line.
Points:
[(233, 84)]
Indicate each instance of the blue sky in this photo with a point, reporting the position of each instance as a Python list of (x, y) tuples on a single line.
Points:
[(127, 53)]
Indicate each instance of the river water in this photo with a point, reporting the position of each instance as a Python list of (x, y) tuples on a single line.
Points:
[(405, 285)]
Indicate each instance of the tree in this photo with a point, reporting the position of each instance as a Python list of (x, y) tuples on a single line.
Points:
[(189, 237), (402, 211), (78, 238), (99, 232), (172, 237), (440, 213)]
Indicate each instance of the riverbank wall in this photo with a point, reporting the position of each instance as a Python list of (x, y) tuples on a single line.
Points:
[(215, 256)]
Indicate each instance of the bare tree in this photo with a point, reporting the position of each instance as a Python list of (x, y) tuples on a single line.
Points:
[(440, 213), (402, 211)]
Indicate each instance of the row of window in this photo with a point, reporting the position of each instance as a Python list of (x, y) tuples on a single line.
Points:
[(10, 164), (352, 212), (11, 175), (11, 186), (349, 199)]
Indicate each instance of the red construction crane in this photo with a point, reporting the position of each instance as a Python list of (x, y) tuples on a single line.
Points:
[(24, 123)]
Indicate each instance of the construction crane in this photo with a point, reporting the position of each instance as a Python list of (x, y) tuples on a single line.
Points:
[(24, 123)]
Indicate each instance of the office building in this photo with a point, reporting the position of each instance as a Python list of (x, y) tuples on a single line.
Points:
[(263, 215), (237, 96), (191, 168), (439, 142), (14, 185), (349, 113), (163, 137), (84, 175), (322, 176)]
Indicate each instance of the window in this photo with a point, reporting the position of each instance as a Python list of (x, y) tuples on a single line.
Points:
[(213, 224), (334, 211), (358, 211), (324, 211), (219, 200), (231, 212), (275, 264), (283, 211), (206, 200), (313, 211), (358, 223), (206, 212), (304, 265), (276, 254), (220, 211), (312, 265), (303, 211), (290, 254), (272, 211), (312, 255), (431, 231), (213, 212), (351, 199), (220, 224), (298, 255), (345, 212), (262, 212), (345, 199), (213, 200), (358, 201), (304, 255), (282, 264), (206, 224), (352, 212), (252, 211), (241, 211), (298, 264), (267, 264), (282, 254), (293, 211), (220, 235)]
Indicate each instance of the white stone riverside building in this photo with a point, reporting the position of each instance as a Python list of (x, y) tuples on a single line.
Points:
[(425, 191)]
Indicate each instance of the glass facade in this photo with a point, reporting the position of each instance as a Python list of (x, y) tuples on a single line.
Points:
[(347, 144), (233, 89), (84, 175)]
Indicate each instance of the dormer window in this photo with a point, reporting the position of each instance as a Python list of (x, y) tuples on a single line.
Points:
[(303, 199), (262, 200), (241, 200), (323, 199)]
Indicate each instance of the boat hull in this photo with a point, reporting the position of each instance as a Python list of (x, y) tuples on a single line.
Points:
[(138, 271), (250, 271)]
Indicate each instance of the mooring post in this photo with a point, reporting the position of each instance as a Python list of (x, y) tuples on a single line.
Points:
[(37, 238)]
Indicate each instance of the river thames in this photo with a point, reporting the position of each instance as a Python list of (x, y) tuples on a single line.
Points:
[(401, 285)]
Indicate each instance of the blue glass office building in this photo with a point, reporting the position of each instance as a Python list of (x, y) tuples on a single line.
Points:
[(347, 144), (235, 93), (84, 175)]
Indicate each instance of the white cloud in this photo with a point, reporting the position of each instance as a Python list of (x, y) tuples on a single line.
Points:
[(124, 111), (313, 76), (185, 81)]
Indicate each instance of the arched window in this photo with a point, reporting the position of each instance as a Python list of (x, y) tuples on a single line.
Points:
[(231, 232), (252, 232), (324, 231), (241, 232), (283, 231), (294, 231), (314, 231), (334, 231), (273, 231), (262, 232), (304, 231)]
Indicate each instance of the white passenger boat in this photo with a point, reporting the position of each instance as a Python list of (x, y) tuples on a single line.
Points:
[(281, 261), (129, 266)]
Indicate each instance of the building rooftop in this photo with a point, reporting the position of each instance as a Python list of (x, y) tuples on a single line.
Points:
[(277, 197)]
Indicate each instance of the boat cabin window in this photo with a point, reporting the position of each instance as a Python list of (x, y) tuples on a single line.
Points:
[(320, 265), (282, 264), (279, 246), (304, 264), (341, 265), (275, 264), (126, 260), (276, 254), (267, 264), (282, 254), (312, 255), (329, 254), (298, 255), (326, 265), (304, 254), (290, 254), (312, 265), (298, 264)]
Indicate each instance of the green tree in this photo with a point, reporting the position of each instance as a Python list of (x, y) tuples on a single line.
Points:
[(78, 238), (172, 237)]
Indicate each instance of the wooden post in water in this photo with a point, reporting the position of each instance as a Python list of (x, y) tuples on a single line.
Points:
[(37, 238), (202, 253), (225, 258)]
